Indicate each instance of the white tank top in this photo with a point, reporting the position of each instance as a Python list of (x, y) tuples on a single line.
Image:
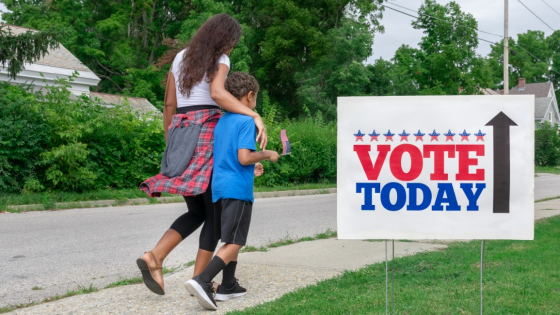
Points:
[(200, 92)]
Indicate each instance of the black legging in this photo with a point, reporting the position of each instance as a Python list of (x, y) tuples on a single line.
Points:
[(200, 210)]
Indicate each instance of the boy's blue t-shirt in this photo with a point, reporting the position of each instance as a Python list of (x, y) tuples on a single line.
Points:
[(230, 179)]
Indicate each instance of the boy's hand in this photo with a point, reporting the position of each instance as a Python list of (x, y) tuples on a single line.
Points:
[(258, 169), (273, 156)]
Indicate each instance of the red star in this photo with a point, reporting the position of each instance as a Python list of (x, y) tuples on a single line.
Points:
[(374, 138), (360, 138), (404, 138), (464, 138), (433, 138), (387, 138), (419, 138), (481, 138), (447, 138)]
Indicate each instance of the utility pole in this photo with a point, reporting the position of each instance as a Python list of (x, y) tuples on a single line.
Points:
[(506, 49)]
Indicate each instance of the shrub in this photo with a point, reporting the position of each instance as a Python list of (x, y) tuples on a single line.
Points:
[(56, 141), (547, 145), (313, 144), (23, 135)]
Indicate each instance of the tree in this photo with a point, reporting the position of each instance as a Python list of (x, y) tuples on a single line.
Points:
[(450, 65), (109, 37), (554, 45), (284, 42), (28, 47), (529, 58), (547, 145), (291, 42), (340, 72), (407, 70), (532, 56), (380, 78)]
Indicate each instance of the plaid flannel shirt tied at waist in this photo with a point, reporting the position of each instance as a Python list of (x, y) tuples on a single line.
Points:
[(187, 162)]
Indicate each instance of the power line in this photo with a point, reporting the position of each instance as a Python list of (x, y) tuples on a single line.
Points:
[(482, 39), (416, 17), (433, 17), (536, 15), (550, 7)]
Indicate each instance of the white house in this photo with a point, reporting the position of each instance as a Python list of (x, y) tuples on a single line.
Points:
[(61, 64), (546, 105), (57, 63)]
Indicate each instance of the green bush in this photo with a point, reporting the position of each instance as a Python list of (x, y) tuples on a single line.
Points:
[(547, 145), (23, 135), (313, 147), (55, 141)]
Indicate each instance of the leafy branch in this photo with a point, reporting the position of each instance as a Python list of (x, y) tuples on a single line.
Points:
[(28, 47)]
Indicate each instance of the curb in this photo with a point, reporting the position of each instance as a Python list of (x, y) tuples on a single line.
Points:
[(145, 201)]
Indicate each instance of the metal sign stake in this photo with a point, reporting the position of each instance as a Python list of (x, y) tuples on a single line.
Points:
[(481, 270), (393, 281), (386, 282)]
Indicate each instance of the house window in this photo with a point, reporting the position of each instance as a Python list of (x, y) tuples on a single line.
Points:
[(550, 117)]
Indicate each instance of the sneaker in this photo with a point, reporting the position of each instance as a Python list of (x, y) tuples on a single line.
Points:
[(224, 293), (214, 288), (203, 292)]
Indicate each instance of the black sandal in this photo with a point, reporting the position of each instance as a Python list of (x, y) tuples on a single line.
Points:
[(149, 281)]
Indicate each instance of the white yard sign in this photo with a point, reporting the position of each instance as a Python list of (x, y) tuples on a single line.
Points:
[(436, 167)]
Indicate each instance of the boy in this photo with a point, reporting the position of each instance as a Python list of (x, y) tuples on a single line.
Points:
[(235, 156)]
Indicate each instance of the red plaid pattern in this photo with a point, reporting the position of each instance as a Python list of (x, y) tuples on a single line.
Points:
[(194, 180)]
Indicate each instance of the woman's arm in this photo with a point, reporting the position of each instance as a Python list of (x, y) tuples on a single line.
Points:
[(231, 104), (169, 102)]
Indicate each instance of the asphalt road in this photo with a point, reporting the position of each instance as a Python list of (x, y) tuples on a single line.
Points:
[(57, 251), (43, 254), (547, 186)]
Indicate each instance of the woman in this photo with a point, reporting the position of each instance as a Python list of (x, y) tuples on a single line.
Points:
[(196, 88)]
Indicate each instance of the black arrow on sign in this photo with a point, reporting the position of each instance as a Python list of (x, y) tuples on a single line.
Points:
[(502, 169)]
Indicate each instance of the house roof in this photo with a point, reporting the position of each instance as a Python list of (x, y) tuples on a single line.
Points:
[(489, 92), (137, 103), (541, 106), (60, 57), (537, 89)]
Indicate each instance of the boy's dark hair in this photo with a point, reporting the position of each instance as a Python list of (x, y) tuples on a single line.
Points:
[(240, 83)]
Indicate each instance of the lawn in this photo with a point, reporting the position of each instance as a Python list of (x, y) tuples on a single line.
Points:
[(48, 199), (547, 169), (520, 277)]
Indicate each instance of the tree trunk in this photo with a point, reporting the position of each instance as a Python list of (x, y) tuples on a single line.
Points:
[(152, 54)]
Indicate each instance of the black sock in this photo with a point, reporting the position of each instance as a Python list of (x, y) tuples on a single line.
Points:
[(214, 267), (229, 273)]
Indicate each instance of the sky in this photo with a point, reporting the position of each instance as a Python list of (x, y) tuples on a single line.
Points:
[(488, 13)]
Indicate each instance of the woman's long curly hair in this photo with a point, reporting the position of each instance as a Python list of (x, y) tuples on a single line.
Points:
[(216, 36)]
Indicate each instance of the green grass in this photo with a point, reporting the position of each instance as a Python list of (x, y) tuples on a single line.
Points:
[(288, 240), (547, 169), (47, 200), (323, 187), (250, 249), (124, 282), (520, 277), (547, 199)]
